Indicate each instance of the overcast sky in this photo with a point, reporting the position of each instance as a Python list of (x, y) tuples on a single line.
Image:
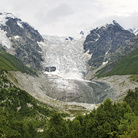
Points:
[(69, 17)]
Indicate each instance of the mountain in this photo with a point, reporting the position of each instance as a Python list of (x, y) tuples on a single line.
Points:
[(27, 101), (107, 43), (21, 40), (65, 66), (63, 62), (127, 64)]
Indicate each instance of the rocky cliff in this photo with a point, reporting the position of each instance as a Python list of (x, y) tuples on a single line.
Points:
[(21, 39), (106, 43)]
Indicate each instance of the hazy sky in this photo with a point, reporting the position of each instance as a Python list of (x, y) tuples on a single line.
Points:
[(69, 17)]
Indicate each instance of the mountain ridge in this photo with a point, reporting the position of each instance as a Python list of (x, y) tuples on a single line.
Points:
[(104, 42), (22, 40)]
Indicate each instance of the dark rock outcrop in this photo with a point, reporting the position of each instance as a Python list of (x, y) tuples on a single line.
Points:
[(106, 41), (81, 32), (24, 40), (70, 38), (50, 69)]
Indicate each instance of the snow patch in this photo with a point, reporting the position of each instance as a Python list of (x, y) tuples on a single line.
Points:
[(106, 53), (104, 63), (2, 20), (41, 44), (4, 16), (86, 54), (4, 40), (20, 24), (97, 38), (134, 30), (16, 37)]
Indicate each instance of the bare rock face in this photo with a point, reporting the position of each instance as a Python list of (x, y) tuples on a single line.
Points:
[(106, 42), (23, 39), (50, 69)]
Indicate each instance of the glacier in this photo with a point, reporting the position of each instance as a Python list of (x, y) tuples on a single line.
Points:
[(67, 56), (68, 82)]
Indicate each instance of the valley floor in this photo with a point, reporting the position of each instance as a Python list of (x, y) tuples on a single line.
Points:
[(37, 87)]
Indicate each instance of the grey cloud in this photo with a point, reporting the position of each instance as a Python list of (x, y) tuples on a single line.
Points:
[(126, 22), (66, 17), (56, 14)]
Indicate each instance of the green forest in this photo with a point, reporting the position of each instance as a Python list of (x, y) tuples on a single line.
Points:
[(22, 116), (109, 120)]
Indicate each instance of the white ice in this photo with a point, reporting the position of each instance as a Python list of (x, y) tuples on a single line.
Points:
[(4, 40), (67, 56)]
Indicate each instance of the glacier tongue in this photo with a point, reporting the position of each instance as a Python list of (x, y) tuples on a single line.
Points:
[(66, 55)]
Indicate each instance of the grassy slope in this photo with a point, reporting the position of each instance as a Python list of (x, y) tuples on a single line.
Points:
[(126, 66), (9, 62)]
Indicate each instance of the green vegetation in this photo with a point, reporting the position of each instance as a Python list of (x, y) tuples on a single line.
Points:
[(19, 101), (8, 62), (20, 113), (21, 116), (132, 100), (134, 78), (125, 66), (10, 126), (108, 120)]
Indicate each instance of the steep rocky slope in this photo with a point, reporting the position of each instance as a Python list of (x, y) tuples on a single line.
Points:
[(107, 43), (20, 39)]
